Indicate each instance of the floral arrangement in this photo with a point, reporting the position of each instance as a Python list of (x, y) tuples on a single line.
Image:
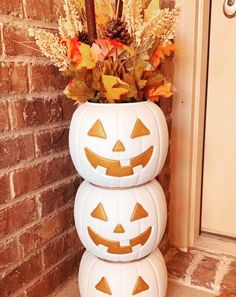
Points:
[(111, 51)]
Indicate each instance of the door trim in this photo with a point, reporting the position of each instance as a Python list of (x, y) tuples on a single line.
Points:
[(188, 122)]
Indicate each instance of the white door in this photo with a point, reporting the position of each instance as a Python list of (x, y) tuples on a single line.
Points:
[(219, 170)]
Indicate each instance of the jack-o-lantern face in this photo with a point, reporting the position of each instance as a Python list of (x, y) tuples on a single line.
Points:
[(114, 247), (114, 167), (146, 277), (120, 225), (118, 145)]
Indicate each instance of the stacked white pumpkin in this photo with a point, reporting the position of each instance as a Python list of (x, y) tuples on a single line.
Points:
[(120, 209)]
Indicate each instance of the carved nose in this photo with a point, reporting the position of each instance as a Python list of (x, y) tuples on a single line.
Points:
[(119, 147), (119, 229)]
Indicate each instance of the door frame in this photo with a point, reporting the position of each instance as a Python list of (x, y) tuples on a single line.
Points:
[(188, 116)]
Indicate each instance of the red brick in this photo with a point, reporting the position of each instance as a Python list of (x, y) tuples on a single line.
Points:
[(41, 175), (17, 216), (34, 176), (5, 192), (8, 254), (18, 42), (52, 141), (58, 169), (14, 150), (28, 113), (41, 10), (21, 275), (4, 121), (229, 281), (13, 79), (11, 7), (204, 274), (61, 247), (41, 233), (54, 278), (178, 265), (45, 78), (53, 199), (68, 107)]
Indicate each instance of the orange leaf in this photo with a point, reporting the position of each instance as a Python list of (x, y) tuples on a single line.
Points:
[(160, 52), (81, 54), (114, 87), (164, 90)]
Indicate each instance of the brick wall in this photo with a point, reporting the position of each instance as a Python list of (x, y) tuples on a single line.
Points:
[(39, 248)]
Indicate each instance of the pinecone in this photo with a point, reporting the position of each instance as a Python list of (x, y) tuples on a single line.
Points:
[(116, 29), (83, 37)]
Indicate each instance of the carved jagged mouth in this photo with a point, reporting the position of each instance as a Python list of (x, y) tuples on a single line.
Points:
[(114, 167), (114, 247)]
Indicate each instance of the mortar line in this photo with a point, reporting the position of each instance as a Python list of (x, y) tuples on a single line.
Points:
[(191, 268), (222, 269)]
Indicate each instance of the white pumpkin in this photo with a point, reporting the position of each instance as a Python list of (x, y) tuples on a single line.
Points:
[(118, 145), (120, 224), (143, 278)]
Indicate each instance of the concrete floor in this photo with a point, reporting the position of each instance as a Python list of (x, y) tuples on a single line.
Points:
[(174, 290)]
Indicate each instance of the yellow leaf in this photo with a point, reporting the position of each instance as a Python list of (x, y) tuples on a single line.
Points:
[(139, 68), (130, 80), (79, 91), (89, 59), (81, 54), (114, 87), (164, 90), (152, 9)]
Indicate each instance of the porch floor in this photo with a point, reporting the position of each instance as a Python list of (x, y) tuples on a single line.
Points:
[(174, 290)]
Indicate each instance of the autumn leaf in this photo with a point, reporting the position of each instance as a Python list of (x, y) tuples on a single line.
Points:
[(130, 80), (164, 90), (160, 52), (81, 54), (109, 47), (104, 7), (79, 91), (114, 87), (139, 68), (152, 9)]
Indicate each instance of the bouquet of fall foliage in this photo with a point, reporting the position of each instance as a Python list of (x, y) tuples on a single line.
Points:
[(111, 51)]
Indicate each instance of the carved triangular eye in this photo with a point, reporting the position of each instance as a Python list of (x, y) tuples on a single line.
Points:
[(97, 130), (103, 286), (139, 129), (138, 213), (140, 286), (99, 213)]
